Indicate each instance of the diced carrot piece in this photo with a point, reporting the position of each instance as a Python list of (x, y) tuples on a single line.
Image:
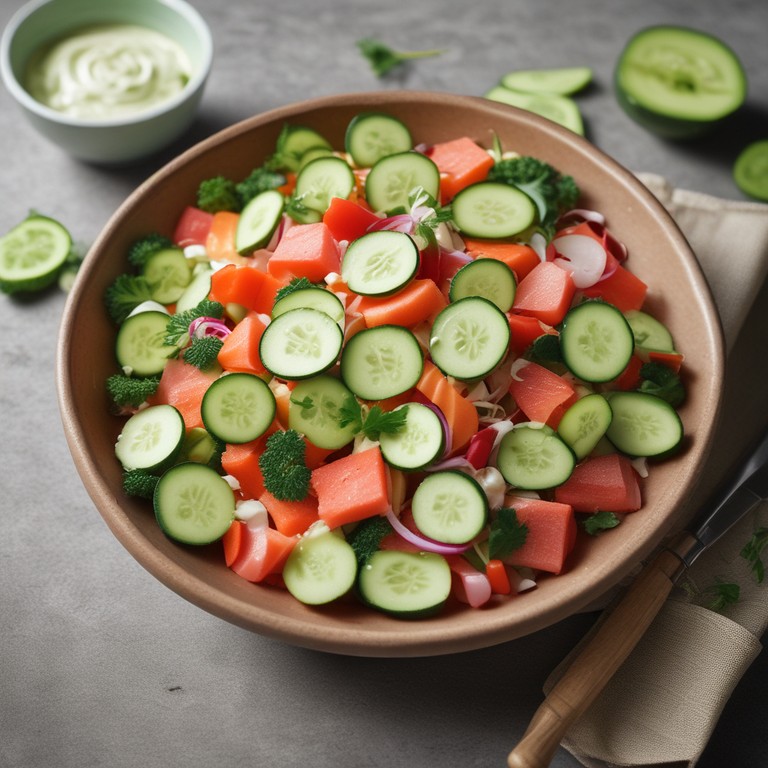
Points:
[(545, 292), (220, 241), (183, 385), (351, 488), (673, 360), (524, 331), (248, 286), (348, 220), (263, 551), (242, 462), (498, 577), (290, 517), (520, 258), (459, 412), (240, 350), (461, 162), (541, 394), (232, 541), (420, 300), (314, 456), (630, 376), (623, 289), (305, 250), (551, 533), (602, 483), (192, 227)]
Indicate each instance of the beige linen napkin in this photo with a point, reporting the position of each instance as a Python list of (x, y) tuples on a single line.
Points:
[(671, 690)]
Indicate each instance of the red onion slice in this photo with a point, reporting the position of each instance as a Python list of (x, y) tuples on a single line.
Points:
[(208, 326), (428, 545), (582, 256)]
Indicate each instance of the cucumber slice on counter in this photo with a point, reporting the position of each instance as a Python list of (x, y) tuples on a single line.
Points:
[(559, 109), (563, 81), (750, 172)]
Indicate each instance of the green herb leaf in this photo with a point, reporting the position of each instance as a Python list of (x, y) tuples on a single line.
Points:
[(177, 330), (506, 535), (663, 382), (721, 594), (284, 467), (203, 352), (296, 284), (752, 552), (384, 59), (378, 421), (600, 521)]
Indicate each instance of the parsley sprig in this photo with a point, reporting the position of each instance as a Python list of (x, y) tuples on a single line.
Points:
[(384, 59), (506, 534)]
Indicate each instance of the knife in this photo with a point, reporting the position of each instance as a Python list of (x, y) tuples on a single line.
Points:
[(626, 623)]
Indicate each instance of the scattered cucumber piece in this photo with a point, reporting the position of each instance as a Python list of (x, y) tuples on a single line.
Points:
[(584, 424), (419, 443), (559, 109), (314, 411), (196, 291), (392, 179), (238, 407), (563, 81), (151, 439), (168, 273), (373, 135), (32, 254), (380, 263), (678, 82), (649, 333), (258, 221), (534, 458), (643, 424), (491, 209), (488, 279), (750, 171), (323, 179), (140, 346), (310, 298), (294, 142)]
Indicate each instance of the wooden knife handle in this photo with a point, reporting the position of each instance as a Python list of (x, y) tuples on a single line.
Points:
[(600, 657)]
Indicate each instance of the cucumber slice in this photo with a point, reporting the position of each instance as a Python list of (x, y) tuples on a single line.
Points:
[(314, 412), (194, 504), (258, 221), (678, 82), (534, 458), (323, 179), (300, 343), (750, 171), (310, 298), (643, 424), (490, 209), (487, 278), (563, 81), (382, 362), (168, 273), (469, 338), (320, 568), (405, 584), (140, 346), (373, 135), (392, 179), (450, 507), (559, 109), (648, 332), (294, 142), (32, 254), (238, 407), (596, 341), (418, 444), (313, 154), (584, 424), (151, 439), (380, 263), (196, 291)]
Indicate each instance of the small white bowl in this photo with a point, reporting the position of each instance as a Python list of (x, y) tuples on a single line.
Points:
[(117, 139)]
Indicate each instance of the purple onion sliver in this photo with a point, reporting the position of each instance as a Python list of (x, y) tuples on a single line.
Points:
[(419, 541)]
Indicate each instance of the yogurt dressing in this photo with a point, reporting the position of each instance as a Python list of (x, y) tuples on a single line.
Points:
[(108, 71)]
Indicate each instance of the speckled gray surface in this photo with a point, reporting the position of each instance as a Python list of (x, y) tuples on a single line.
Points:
[(102, 665)]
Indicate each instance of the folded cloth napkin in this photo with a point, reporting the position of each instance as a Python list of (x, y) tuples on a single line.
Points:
[(672, 689)]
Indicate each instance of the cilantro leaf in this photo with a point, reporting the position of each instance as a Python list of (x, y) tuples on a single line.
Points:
[(663, 382), (384, 59), (753, 550), (506, 535), (296, 284), (600, 521), (721, 595), (371, 422)]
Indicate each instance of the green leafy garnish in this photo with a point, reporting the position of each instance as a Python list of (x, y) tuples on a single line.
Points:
[(600, 521), (130, 391), (284, 467), (203, 352), (546, 349), (140, 252), (366, 538), (506, 534), (384, 59), (218, 194), (258, 180), (721, 594), (177, 330), (662, 381), (371, 421), (753, 550), (125, 294), (296, 284)]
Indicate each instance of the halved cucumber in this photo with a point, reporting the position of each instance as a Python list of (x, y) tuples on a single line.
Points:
[(418, 444), (295, 141), (238, 407), (310, 298), (584, 424), (563, 81), (196, 291), (678, 82), (534, 458), (648, 332), (393, 178), (314, 411), (750, 171), (643, 424), (469, 338), (490, 209), (323, 179), (373, 135), (194, 504), (405, 584), (258, 221), (151, 439), (382, 362), (380, 263), (559, 109), (140, 346), (487, 278), (168, 273)]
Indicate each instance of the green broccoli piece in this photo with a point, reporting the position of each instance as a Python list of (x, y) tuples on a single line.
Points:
[(218, 194), (259, 180), (127, 391), (177, 330), (552, 192), (139, 482), (202, 353), (284, 467), (366, 538), (124, 295), (663, 382), (140, 252)]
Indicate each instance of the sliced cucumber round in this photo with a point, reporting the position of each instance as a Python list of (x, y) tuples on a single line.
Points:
[(168, 273), (382, 362), (151, 439), (373, 135), (450, 507), (196, 291), (405, 584), (315, 412), (194, 504), (469, 338), (750, 171), (323, 179), (294, 142), (563, 81), (140, 346), (418, 444), (238, 407), (392, 179), (380, 263), (258, 221), (490, 209), (534, 458), (320, 569), (311, 298), (559, 109), (643, 424), (596, 341), (487, 278), (648, 332), (678, 82), (584, 424)]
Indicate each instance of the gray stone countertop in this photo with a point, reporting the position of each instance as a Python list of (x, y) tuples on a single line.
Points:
[(100, 664)]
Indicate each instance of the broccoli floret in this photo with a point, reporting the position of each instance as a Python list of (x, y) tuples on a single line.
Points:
[(283, 465), (139, 482), (552, 192), (663, 382), (141, 250), (127, 391), (259, 180), (177, 330), (218, 194), (125, 294), (366, 538), (203, 351)]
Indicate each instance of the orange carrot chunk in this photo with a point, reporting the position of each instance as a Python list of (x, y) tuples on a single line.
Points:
[(290, 517), (183, 386), (602, 483), (263, 551), (622, 289), (245, 285), (524, 331), (461, 162), (221, 238), (305, 250), (520, 258), (232, 541), (242, 462), (348, 220), (541, 394), (420, 300), (240, 350), (545, 292)]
